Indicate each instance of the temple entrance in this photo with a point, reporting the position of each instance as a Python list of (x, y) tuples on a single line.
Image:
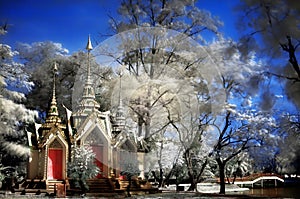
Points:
[(98, 143), (55, 163), (98, 150)]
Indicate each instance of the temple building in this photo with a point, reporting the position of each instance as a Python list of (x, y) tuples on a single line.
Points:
[(105, 133)]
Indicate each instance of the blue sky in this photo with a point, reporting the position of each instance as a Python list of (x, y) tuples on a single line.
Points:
[(69, 22)]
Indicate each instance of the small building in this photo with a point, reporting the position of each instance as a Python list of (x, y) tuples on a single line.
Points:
[(109, 139)]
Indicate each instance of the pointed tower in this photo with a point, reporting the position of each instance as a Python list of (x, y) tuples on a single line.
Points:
[(88, 102), (52, 115), (120, 113)]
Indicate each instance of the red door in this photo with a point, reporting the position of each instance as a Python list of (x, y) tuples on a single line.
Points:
[(55, 164), (98, 150)]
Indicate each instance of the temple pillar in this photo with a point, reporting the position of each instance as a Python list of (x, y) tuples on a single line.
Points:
[(141, 160)]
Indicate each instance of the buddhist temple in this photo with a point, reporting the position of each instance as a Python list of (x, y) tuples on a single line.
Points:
[(104, 132)]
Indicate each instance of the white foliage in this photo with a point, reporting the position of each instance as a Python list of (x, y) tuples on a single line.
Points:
[(169, 154), (289, 143), (2, 81), (10, 111), (16, 149), (240, 165), (177, 15), (37, 50), (13, 114), (82, 166), (231, 64)]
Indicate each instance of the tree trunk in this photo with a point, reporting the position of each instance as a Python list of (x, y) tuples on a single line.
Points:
[(82, 187), (191, 175), (160, 177), (193, 185), (128, 187), (155, 177), (234, 177), (177, 183), (168, 176), (193, 181), (228, 180), (222, 176)]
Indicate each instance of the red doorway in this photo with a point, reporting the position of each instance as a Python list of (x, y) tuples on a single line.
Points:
[(98, 150), (55, 166)]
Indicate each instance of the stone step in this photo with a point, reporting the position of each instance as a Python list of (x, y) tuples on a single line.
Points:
[(100, 185)]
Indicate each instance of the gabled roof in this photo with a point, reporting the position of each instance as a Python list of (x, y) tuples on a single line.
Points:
[(95, 120), (50, 134), (125, 141)]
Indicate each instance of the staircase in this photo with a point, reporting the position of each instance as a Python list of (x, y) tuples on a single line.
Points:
[(101, 185)]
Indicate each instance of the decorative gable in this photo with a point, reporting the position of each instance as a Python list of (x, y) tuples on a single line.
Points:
[(94, 138), (55, 144)]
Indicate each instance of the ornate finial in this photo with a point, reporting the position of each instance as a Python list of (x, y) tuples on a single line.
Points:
[(89, 44)]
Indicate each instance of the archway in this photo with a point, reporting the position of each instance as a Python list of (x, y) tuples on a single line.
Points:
[(96, 140), (55, 161)]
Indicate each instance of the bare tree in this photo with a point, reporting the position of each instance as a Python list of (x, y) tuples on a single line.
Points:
[(192, 135), (238, 133), (237, 125), (168, 152)]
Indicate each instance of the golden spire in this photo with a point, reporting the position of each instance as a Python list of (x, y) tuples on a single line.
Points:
[(53, 111), (54, 73)]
